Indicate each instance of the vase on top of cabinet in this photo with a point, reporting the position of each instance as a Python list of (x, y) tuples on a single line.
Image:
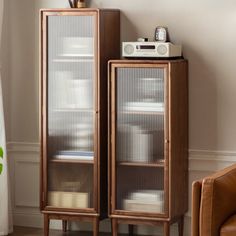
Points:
[(75, 47), (148, 143)]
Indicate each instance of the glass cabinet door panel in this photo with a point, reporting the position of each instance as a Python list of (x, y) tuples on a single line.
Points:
[(140, 125), (140, 189), (71, 107), (140, 114), (70, 185)]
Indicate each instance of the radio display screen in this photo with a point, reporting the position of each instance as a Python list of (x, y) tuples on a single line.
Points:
[(147, 47)]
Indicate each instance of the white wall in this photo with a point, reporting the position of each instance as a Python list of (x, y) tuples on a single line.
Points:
[(5, 66), (206, 29)]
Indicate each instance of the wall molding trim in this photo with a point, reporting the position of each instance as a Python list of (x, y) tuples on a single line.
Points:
[(210, 160), (25, 147), (199, 160)]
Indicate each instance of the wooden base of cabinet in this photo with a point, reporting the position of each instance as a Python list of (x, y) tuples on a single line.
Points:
[(166, 229), (46, 225), (65, 219), (131, 230), (114, 227), (131, 222), (64, 225), (181, 226)]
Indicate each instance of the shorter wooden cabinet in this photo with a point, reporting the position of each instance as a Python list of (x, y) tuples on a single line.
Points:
[(148, 143)]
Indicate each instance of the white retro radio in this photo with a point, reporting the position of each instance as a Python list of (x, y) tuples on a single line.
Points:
[(151, 49)]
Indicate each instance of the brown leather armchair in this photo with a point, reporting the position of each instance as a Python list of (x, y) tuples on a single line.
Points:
[(214, 204)]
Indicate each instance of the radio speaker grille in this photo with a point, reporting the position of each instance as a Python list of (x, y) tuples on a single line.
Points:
[(129, 49), (162, 49)]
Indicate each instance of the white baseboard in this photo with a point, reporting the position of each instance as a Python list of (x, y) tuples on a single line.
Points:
[(24, 162), (28, 219)]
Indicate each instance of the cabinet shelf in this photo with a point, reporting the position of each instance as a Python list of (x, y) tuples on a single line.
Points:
[(76, 55), (74, 58), (71, 161), (142, 164), (73, 157), (143, 108), (71, 60), (73, 110), (142, 112)]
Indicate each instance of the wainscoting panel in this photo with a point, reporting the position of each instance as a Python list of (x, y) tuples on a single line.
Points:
[(25, 187), (24, 163), (24, 176)]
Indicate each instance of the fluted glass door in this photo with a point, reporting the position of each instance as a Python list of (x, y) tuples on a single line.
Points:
[(139, 140), (71, 87)]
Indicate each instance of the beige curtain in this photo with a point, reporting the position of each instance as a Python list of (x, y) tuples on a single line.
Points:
[(5, 206)]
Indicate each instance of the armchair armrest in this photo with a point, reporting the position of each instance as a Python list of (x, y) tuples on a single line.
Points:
[(218, 200), (196, 199)]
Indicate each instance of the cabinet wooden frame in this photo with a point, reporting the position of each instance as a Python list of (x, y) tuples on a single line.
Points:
[(175, 145), (106, 46)]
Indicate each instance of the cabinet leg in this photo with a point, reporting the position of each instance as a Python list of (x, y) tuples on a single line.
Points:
[(131, 230), (46, 225), (114, 227), (64, 225), (181, 226), (166, 229), (95, 227)]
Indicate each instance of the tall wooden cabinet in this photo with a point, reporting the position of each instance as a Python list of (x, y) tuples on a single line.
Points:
[(148, 143), (75, 47)]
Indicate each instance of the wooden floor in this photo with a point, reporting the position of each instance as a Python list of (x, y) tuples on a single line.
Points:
[(25, 231)]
